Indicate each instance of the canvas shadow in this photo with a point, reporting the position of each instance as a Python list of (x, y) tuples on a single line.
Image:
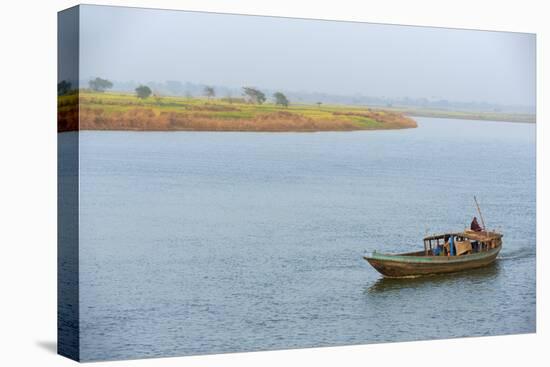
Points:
[(48, 345)]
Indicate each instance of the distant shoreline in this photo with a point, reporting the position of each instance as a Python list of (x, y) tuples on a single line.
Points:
[(126, 112), (467, 115), (93, 111)]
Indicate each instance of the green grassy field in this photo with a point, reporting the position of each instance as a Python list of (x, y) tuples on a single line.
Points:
[(117, 111)]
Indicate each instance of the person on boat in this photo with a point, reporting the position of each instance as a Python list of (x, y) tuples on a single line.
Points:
[(475, 225), (452, 248)]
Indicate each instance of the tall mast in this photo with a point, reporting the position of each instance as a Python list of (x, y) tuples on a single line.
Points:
[(480, 215)]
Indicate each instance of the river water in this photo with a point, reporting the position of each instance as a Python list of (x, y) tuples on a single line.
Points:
[(211, 242)]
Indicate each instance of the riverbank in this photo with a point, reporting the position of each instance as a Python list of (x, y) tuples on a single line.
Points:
[(115, 111)]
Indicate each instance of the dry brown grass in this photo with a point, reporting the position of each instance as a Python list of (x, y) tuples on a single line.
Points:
[(147, 119), (125, 112), (67, 112)]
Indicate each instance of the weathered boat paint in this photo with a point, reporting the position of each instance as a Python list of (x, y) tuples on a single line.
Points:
[(422, 263)]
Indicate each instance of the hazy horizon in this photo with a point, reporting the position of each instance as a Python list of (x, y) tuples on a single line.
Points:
[(333, 57)]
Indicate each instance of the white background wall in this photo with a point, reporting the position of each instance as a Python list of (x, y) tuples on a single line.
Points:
[(28, 182)]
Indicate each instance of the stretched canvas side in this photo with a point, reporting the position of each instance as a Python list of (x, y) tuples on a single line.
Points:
[(68, 326)]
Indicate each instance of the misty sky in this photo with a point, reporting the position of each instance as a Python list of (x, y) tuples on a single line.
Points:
[(130, 44)]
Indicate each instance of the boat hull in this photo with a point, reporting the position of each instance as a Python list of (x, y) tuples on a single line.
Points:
[(406, 265)]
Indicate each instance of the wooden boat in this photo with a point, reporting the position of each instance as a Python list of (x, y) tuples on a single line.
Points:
[(444, 253)]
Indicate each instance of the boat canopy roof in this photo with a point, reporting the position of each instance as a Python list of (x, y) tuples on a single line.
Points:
[(469, 234)]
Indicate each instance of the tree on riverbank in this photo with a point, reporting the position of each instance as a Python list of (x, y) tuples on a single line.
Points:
[(254, 95), (280, 99), (100, 85), (143, 91), (209, 92), (63, 87)]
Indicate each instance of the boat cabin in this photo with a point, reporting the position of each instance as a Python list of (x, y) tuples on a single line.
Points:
[(461, 243)]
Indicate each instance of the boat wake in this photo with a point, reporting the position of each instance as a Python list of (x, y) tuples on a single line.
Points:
[(516, 255)]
